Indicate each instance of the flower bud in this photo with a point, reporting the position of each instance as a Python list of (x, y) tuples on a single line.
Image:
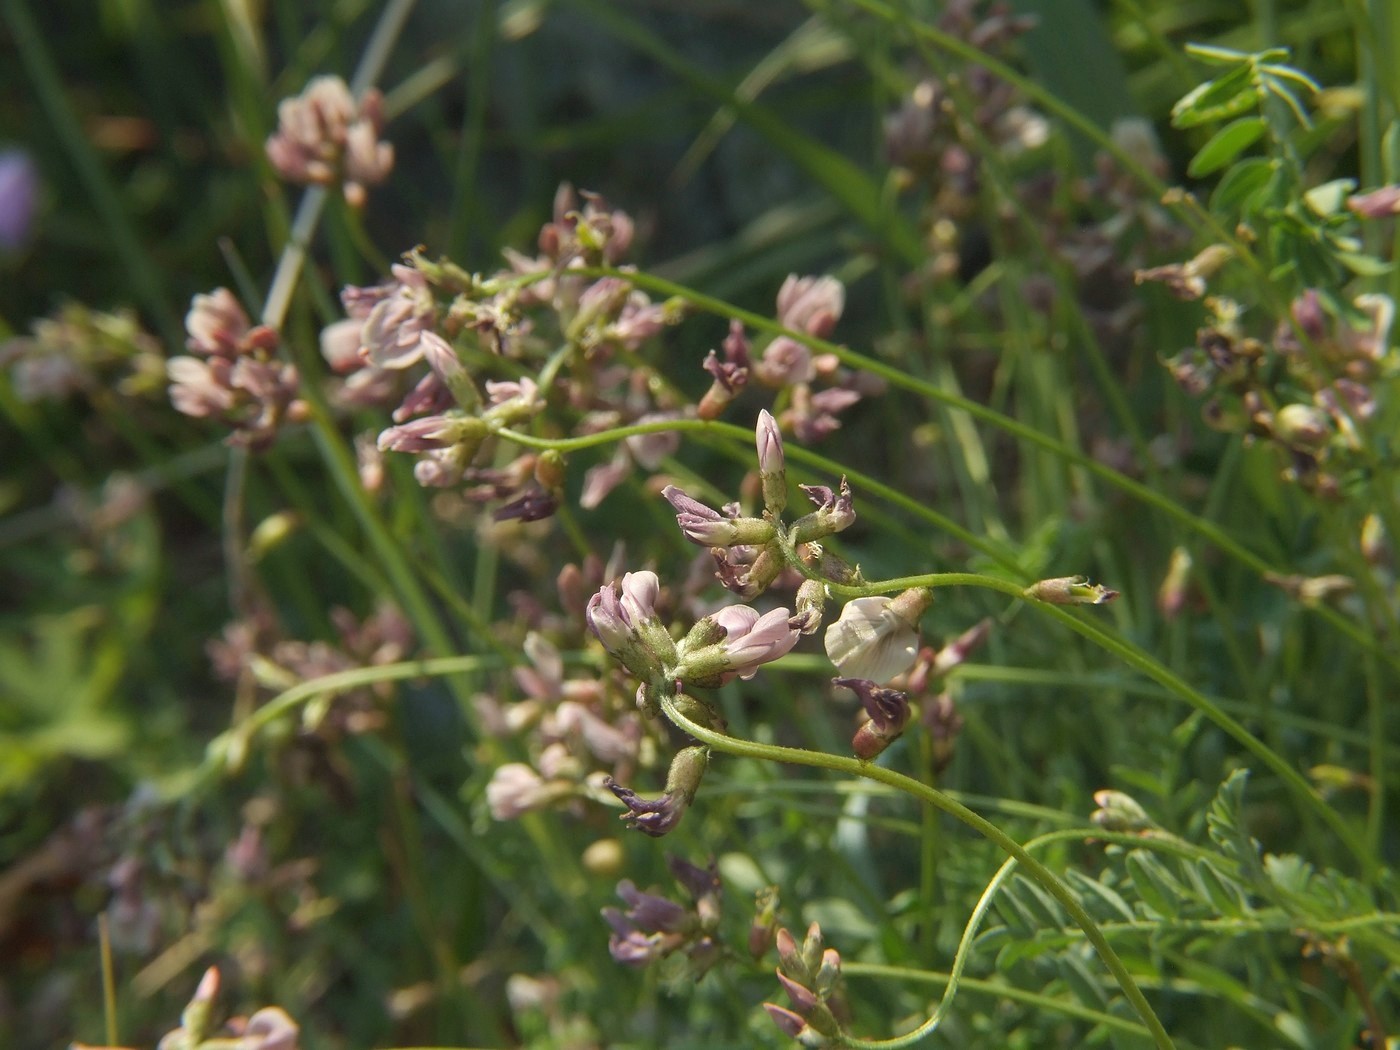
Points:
[(828, 973), (1070, 590), (1120, 812), (771, 463), (1302, 428), (603, 857), (443, 360), (763, 928), (1171, 595), (550, 470), (808, 607), (835, 512)]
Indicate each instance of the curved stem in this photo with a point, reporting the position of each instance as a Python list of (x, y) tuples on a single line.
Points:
[(1144, 494), (999, 989), (1131, 654), (955, 978), (933, 797)]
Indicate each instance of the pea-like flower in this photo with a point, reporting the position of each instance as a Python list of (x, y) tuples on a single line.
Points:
[(627, 625), (654, 927), (887, 712), (734, 642), (876, 638), (709, 528)]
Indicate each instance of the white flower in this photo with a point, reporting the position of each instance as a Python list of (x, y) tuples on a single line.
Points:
[(872, 639)]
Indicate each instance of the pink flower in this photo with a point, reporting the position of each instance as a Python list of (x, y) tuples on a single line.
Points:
[(515, 789), (752, 640), (785, 361), (811, 305), (1377, 204), (217, 324), (324, 136), (394, 327)]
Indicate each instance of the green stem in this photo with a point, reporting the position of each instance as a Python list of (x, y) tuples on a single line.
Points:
[(1007, 992), (933, 797), (1159, 502)]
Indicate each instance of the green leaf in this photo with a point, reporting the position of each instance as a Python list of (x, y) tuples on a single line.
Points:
[(1225, 824), (1220, 99), (1020, 919), (1364, 265), (1035, 900), (1224, 893), (1075, 973), (1215, 55), (1227, 144), (1289, 872), (1110, 901), (1154, 884)]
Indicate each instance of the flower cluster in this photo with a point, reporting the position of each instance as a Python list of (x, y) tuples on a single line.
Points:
[(578, 733), (808, 307), (476, 352), (1309, 390), (654, 928), (733, 642), (236, 376), (324, 137), (79, 351)]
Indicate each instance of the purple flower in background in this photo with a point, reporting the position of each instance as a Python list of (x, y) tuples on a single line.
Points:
[(19, 197)]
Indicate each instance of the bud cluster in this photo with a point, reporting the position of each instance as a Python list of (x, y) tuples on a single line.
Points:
[(1310, 390), (655, 928), (810, 976), (236, 375), (751, 552), (325, 137)]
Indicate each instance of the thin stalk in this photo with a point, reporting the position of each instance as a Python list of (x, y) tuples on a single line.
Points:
[(1124, 650), (1159, 502), (1003, 991), (937, 799)]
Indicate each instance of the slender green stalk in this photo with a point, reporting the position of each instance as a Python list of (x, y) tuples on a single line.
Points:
[(1159, 502), (999, 989), (939, 800), (109, 978)]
